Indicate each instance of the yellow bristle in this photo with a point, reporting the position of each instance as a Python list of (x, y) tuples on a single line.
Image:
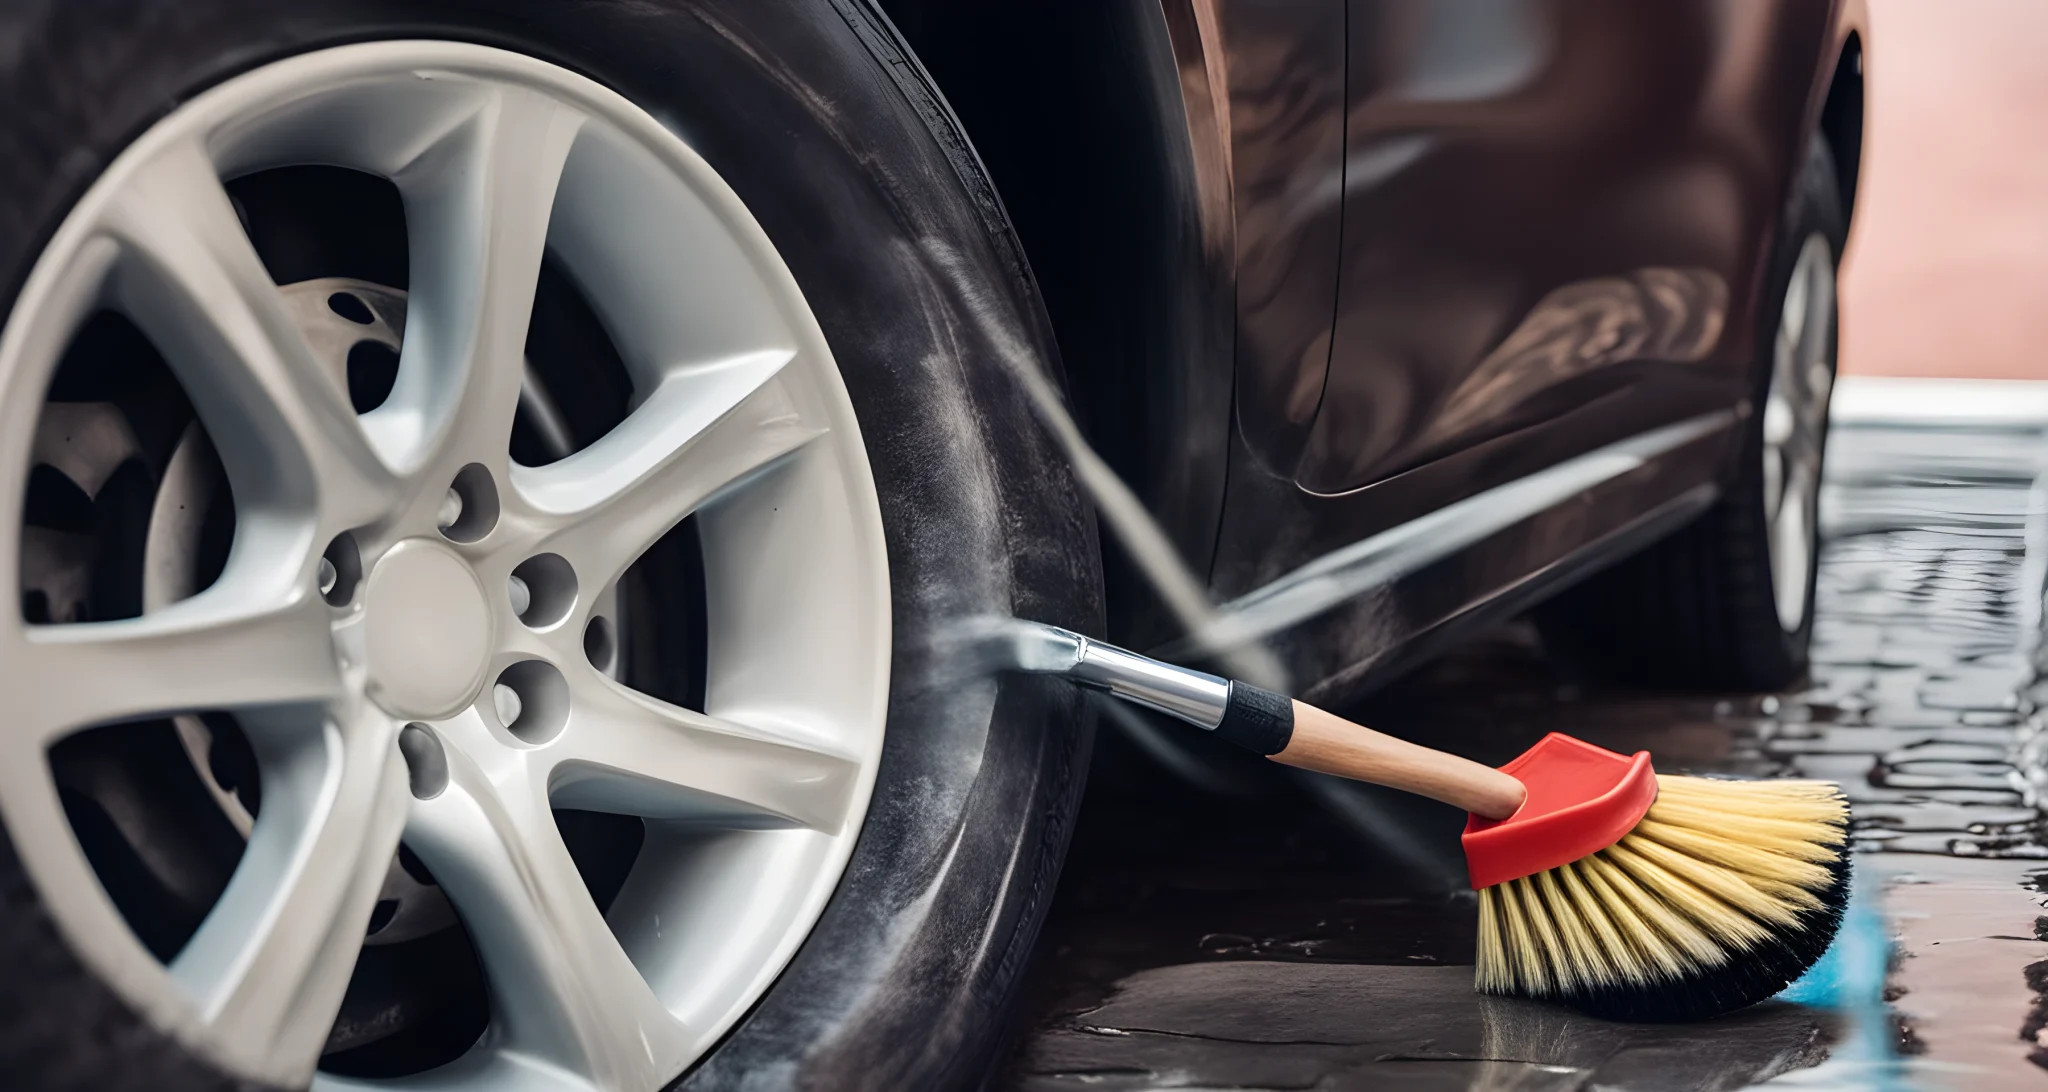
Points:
[(1792, 837), (1582, 963), (1564, 970), (1775, 876), (1495, 951), (1529, 960), (1716, 883), (1671, 889), (1710, 885), (1683, 944), (1612, 952), (1646, 954)]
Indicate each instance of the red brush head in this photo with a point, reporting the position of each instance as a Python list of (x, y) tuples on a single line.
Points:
[(1581, 800)]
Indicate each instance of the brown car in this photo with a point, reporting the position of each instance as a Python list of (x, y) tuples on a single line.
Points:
[(496, 478)]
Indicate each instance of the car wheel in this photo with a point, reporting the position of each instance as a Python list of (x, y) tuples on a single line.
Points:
[(493, 484), (1727, 602)]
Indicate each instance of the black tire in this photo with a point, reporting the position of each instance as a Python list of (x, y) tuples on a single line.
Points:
[(817, 116), (1698, 609)]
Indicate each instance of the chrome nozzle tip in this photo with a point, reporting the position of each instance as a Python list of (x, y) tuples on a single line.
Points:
[(990, 644)]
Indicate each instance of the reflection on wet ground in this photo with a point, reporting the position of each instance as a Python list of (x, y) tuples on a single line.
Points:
[(1267, 937)]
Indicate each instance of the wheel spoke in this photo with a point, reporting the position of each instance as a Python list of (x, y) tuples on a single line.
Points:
[(1792, 319), (205, 653), (477, 204), (698, 434), (1792, 552), (1816, 363), (562, 987), (272, 960), (625, 752), (190, 278)]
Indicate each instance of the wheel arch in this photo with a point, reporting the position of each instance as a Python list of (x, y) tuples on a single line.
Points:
[(1100, 123), (1842, 116)]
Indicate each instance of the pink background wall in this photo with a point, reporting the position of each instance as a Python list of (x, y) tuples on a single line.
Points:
[(1947, 267)]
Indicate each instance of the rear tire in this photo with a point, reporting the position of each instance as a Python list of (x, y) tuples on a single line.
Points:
[(1727, 602)]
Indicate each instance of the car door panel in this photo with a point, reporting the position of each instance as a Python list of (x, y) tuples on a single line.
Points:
[(1538, 193), (1284, 61), (1554, 215)]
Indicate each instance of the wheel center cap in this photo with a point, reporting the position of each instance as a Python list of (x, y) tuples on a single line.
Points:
[(426, 631)]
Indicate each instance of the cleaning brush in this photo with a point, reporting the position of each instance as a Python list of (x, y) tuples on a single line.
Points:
[(1602, 884), (1644, 897)]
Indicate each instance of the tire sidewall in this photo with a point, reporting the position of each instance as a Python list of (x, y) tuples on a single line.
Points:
[(887, 228)]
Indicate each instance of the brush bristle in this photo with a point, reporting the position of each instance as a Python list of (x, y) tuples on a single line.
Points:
[(1720, 897)]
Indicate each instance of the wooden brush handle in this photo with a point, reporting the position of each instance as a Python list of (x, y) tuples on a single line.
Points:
[(1330, 744)]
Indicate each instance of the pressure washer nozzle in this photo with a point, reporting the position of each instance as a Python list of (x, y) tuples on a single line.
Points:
[(1237, 712), (1035, 648)]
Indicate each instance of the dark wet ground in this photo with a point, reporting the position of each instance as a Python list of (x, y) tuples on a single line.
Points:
[(1261, 939)]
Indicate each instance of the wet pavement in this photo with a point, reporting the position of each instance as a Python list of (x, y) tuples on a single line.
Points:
[(1280, 931)]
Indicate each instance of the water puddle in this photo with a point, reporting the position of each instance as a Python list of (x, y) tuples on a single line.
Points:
[(1924, 705)]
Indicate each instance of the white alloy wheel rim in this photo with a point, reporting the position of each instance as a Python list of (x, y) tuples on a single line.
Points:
[(740, 417), (1795, 427)]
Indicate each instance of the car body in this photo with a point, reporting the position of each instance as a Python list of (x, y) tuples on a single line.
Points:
[(497, 479), (1320, 269)]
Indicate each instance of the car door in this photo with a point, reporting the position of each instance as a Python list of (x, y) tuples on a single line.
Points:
[(1545, 201), (1551, 215)]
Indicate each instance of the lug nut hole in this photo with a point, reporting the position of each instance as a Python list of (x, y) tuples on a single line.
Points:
[(542, 590), (424, 760), (470, 508), (341, 569), (598, 644), (532, 700)]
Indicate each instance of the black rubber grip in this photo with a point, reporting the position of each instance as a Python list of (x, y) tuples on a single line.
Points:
[(1257, 720)]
